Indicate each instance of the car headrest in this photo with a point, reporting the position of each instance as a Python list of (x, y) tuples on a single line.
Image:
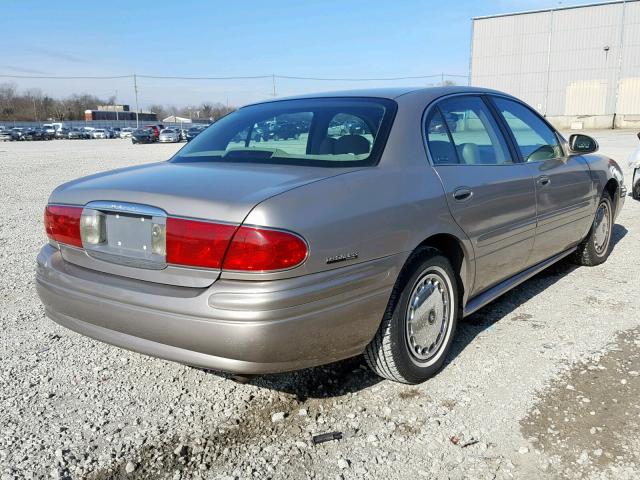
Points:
[(355, 144), (327, 146), (471, 154)]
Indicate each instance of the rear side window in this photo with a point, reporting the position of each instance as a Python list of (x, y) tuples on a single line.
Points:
[(439, 142), (536, 141), (476, 137), (330, 132)]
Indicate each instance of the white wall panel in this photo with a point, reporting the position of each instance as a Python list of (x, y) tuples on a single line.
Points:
[(552, 58)]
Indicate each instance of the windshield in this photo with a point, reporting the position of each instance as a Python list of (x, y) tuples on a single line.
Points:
[(318, 132), (167, 130)]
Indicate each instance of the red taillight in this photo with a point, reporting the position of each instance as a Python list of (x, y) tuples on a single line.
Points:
[(259, 249), (197, 244), (63, 224)]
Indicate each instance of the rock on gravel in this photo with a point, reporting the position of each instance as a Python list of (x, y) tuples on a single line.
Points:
[(71, 407)]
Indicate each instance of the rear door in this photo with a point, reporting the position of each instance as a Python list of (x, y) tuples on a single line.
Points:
[(565, 191), (490, 193)]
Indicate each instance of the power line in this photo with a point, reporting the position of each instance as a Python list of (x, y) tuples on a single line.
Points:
[(166, 77), (368, 79), (55, 77), (251, 77)]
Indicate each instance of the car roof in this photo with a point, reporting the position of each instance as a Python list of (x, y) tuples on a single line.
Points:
[(426, 93)]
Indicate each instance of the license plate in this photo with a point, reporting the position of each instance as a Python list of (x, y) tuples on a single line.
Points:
[(129, 234), (133, 234)]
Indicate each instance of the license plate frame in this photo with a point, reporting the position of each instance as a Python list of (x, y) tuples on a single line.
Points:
[(128, 234)]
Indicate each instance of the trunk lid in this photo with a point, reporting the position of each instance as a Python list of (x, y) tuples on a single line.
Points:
[(221, 192)]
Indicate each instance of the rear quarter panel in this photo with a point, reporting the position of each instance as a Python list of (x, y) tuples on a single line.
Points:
[(374, 213)]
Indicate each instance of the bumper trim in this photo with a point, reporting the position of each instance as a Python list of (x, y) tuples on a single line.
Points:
[(176, 354), (238, 327)]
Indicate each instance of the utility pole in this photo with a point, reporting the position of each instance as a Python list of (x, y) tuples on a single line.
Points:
[(549, 43), (115, 106), (135, 89), (619, 68), (273, 80)]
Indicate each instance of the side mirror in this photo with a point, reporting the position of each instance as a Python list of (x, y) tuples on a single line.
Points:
[(582, 143), (638, 135)]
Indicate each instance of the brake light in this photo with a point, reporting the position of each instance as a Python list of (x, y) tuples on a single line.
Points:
[(261, 249), (63, 224), (195, 243), (192, 243)]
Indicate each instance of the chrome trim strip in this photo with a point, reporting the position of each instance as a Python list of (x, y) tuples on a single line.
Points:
[(126, 207)]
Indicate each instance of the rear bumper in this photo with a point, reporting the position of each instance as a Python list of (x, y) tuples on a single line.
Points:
[(234, 326)]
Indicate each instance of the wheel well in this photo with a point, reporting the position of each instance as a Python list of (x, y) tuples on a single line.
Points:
[(611, 188), (451, 248)]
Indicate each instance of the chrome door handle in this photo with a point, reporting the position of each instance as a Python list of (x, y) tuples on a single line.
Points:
[(543, 180), (461, 194)]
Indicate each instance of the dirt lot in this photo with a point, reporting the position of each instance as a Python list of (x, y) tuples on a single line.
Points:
[(543, 383)]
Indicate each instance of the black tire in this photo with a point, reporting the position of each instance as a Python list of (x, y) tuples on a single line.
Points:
[(595, 248), (392, 353)]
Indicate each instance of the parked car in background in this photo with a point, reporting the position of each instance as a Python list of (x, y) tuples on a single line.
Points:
[(126, 132), (114, 132), (99, 133), (35, 133), (62, 132), (256, 257), (193, 132), (143, 135), (5, 135), (183, 134), (156, 129), (17, 133), (169, 135), (78, 134), (49, 130)]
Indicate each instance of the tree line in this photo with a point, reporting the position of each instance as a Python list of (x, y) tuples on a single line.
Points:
[(34, 105)]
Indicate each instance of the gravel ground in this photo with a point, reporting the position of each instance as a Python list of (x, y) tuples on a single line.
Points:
[(542, 383)]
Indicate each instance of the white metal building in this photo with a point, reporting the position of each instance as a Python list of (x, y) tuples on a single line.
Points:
[(579, 66)]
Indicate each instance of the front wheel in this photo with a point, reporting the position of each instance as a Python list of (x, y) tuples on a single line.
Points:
[(418, 326), (595, 249)]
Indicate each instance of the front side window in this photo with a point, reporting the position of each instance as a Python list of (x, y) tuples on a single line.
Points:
[(338, 132), (536, 141), (473, 130)]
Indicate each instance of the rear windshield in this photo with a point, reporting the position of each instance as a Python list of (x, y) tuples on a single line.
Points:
[(332, 132)]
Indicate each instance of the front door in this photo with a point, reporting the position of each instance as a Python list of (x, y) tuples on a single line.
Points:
[(564, 188), (490, 195)]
